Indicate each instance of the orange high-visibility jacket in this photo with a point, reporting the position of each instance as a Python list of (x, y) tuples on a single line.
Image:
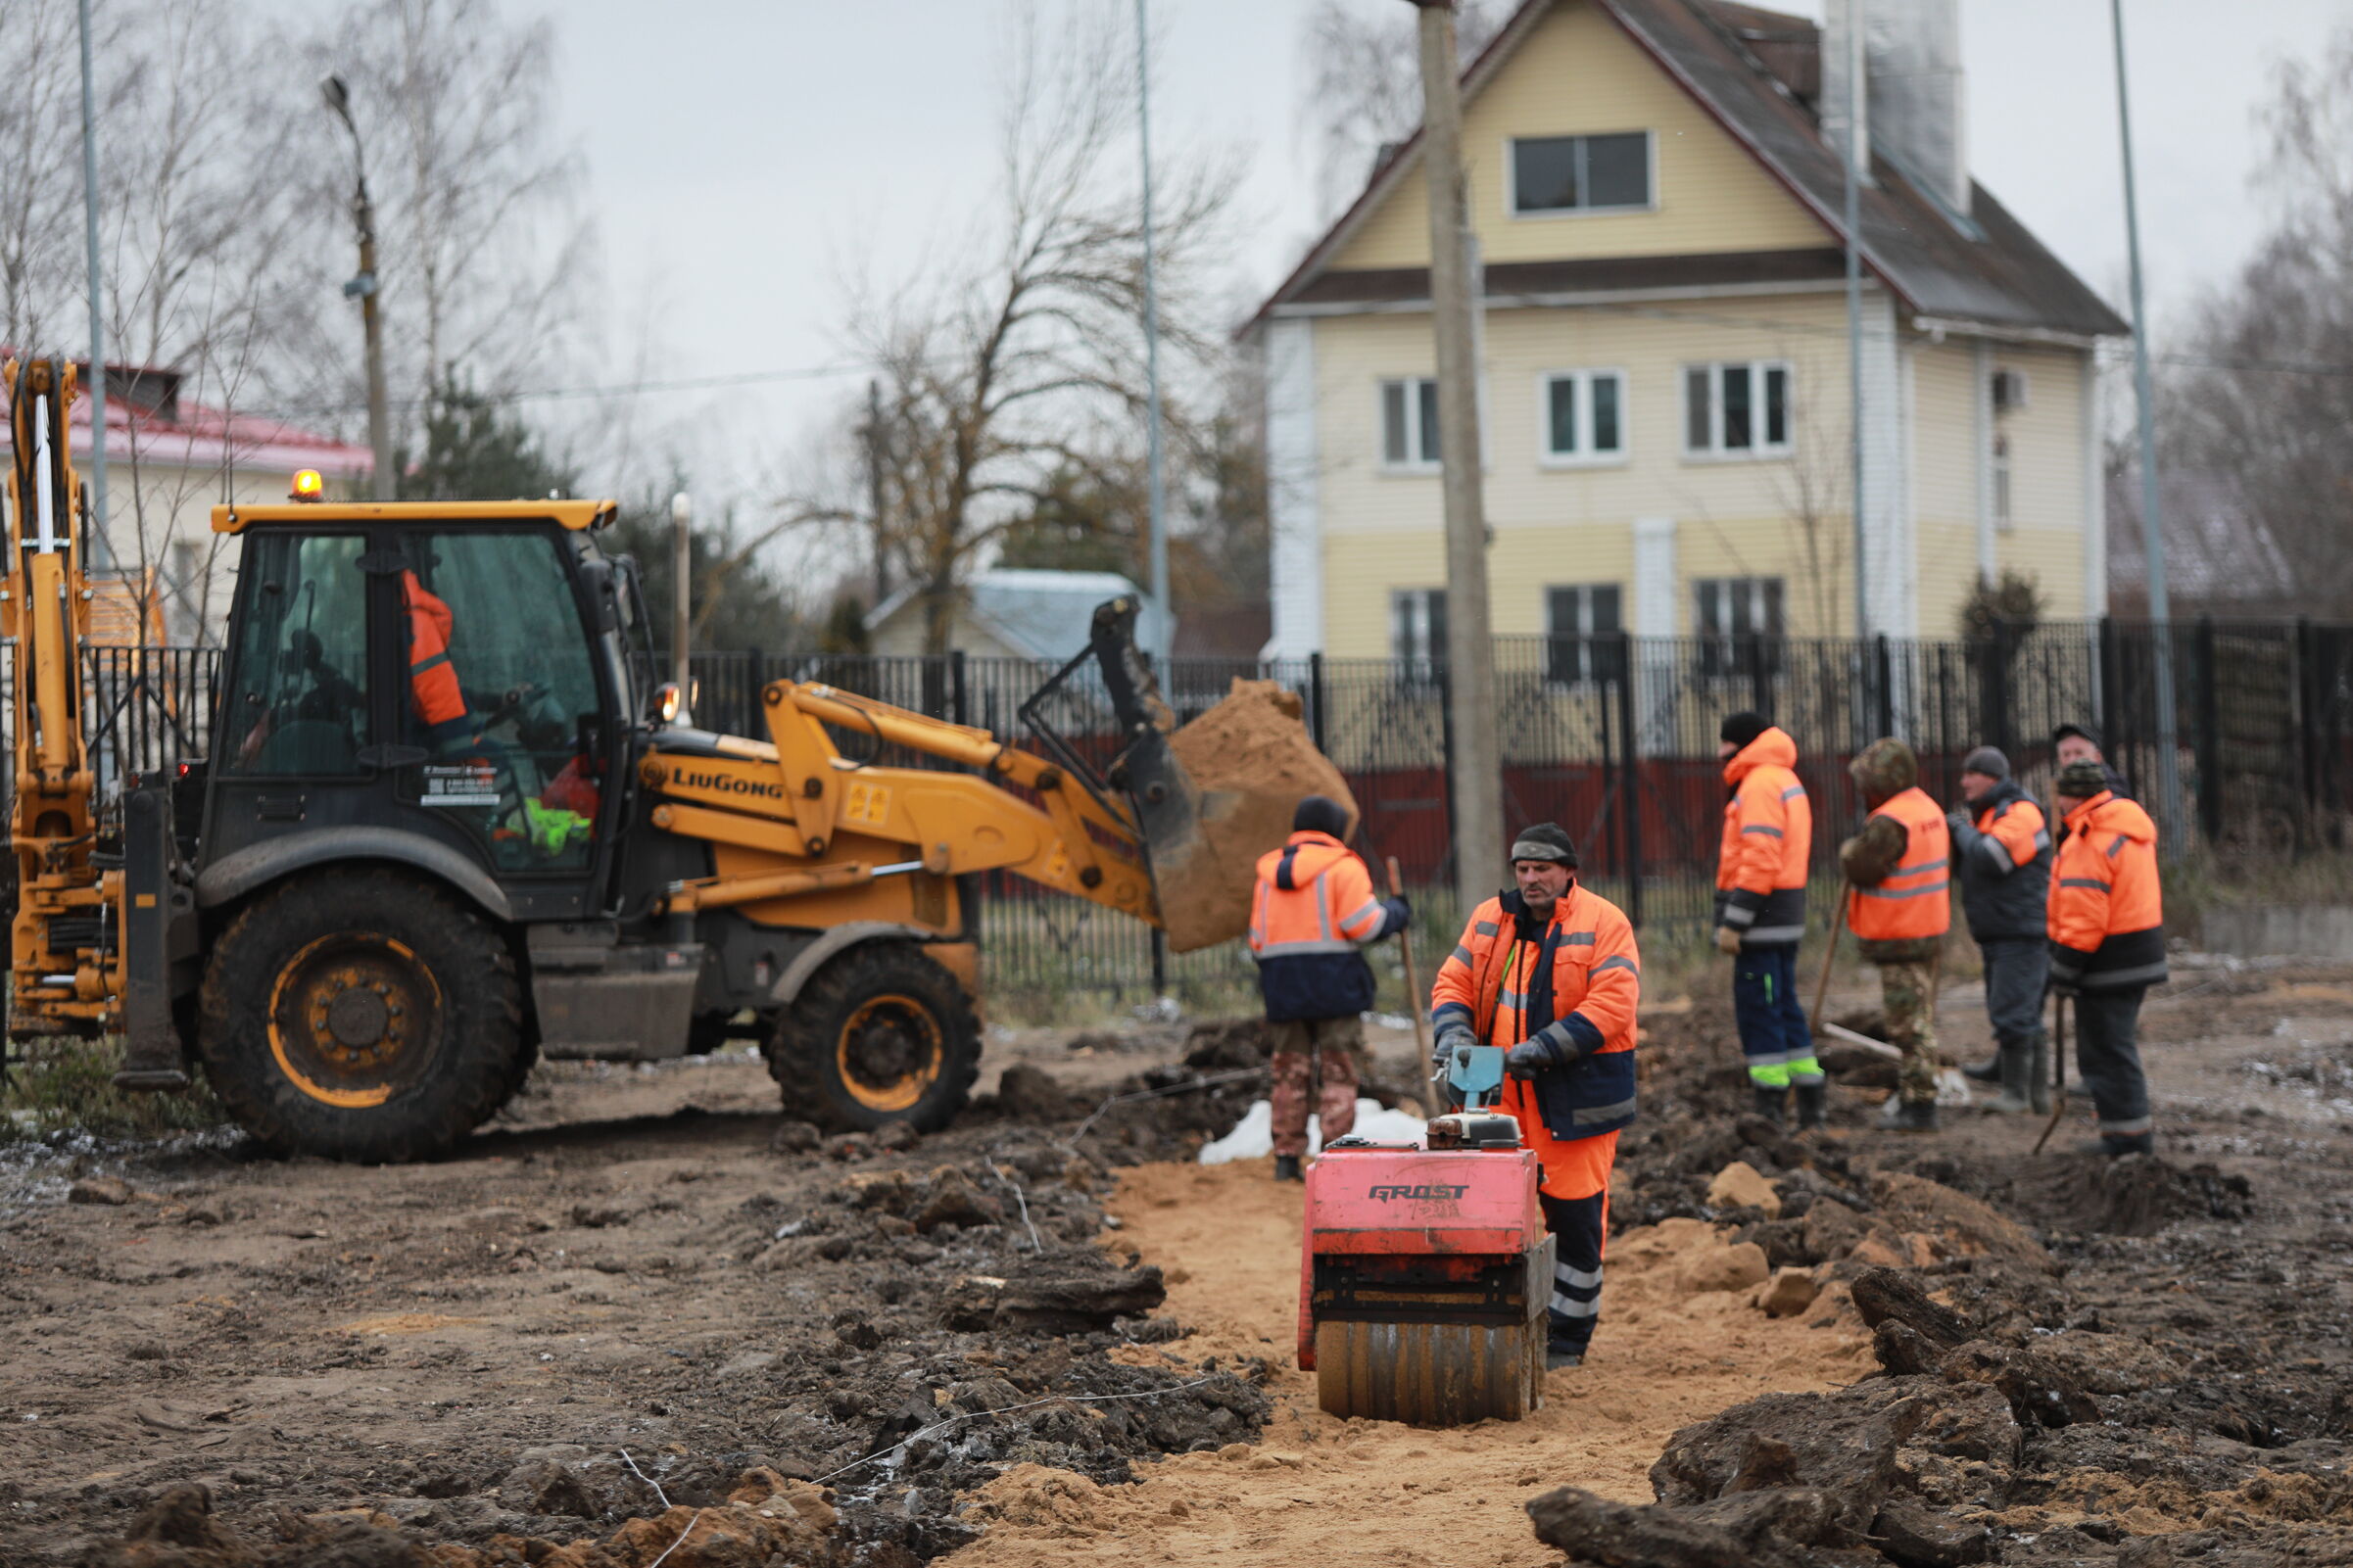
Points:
[(2107, 906), (2001, 858), (1313, 908), (1486, 987), (1768, 836), (1915, 900), (433, 692)]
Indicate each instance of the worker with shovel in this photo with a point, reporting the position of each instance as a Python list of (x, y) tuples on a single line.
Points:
[(1313, 913), (2107, 946), (2001, 856), (1899, 873), (1550, 973)]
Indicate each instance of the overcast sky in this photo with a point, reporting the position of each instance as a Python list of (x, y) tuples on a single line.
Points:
[(747, 157)]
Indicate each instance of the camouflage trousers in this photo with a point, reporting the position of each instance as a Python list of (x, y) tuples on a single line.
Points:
[(1315, 1059), (1907, 992)]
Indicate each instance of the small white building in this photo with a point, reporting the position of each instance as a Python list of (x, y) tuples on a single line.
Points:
[(1012, 614)]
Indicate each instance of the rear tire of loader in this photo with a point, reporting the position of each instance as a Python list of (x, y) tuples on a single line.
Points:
[(362, 1015), (880, 1034)]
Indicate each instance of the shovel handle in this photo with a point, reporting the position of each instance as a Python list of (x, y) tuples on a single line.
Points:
[(1837, 928), (2059, 1069), (1404, 949)]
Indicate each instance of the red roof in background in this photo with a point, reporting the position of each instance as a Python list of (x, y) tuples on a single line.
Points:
[(144, 402)]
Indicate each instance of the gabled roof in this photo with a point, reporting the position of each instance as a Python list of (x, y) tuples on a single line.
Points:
[(144, 407), (1739, 64)]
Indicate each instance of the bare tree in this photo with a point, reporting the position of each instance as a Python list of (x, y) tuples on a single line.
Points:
[(2264, 400), (1363, 85), (1029, 364)]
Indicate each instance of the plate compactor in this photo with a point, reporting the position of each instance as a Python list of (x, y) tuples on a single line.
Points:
[(1425, 1272)]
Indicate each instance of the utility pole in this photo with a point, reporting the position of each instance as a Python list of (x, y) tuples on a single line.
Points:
[(95, 390), (385, 480), (2152, 532), (1476, 780), (1156, 487), (682, 610), (876, 451), (1857, 150)]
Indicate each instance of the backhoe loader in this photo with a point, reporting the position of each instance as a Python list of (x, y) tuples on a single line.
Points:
[(448, 824)]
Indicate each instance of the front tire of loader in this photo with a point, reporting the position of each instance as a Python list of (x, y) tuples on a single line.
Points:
[(360, 1016), (880, 1034)]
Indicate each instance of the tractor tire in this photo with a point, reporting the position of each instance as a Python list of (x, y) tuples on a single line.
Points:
[(880, 1034), (363, 1015)]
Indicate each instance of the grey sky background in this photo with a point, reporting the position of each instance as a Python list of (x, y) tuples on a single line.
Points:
[(748, 158)]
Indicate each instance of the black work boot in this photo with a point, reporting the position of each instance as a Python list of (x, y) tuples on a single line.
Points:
[(1559, 1354), (1811, 1098), (2037, 1072), (2017, 1080), (1908, 1116), (1986, 1071), (1286, 1169), (1770, 1104)]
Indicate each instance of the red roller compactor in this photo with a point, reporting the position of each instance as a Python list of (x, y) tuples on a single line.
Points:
[(1425, 1272)]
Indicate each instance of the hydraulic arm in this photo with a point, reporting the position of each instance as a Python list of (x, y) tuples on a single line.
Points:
[(65, 945)]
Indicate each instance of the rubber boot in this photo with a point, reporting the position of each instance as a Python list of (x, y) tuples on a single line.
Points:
[(1771, 1104), (2114, 1146), (1986, 1071), (1286, 1167), (2017, 1095), (1811, 1098), (1908, 1116), (2037, 1072)]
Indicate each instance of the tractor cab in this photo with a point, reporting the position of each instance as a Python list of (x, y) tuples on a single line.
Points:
[(449, 690)]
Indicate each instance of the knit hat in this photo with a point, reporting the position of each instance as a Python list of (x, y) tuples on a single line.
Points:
[(1742, 727), (1988, 761), (2081, 781), (2082, 731), (1544, 841), (1321, 814)]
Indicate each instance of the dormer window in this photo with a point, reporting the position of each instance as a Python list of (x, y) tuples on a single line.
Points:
[(1556, 174)]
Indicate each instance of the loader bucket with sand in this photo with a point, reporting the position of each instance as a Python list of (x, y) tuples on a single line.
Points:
[(1210, 797)]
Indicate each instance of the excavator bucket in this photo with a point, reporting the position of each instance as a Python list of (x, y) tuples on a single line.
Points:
[(1212, 796)]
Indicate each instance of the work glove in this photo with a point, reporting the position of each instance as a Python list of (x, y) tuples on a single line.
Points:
[(1529, 1058), (1959, 820), (1441, 1054), (2062, 988), (1400, 913), (1727, 940)]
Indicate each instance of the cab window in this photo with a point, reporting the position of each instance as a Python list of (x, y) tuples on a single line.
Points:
[(500, 677), (297, 705)]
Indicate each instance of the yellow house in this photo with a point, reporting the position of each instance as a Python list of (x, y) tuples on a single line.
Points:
[(1656, 195)]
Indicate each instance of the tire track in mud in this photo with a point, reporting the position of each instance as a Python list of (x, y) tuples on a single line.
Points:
[(1227, 1238)]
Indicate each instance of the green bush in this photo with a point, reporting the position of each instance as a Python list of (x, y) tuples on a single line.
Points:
[(69, 1086)]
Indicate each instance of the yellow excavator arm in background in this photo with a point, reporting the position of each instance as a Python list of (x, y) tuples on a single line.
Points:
[(65, 950), (792, 800)]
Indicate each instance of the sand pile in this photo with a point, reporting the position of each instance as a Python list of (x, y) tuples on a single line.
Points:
[(1251, 760)]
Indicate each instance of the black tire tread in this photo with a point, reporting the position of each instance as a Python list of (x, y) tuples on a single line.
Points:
[(799, 1045), (484, 1056)]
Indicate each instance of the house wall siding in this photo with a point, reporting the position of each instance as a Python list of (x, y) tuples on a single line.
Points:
[(1580, 74)]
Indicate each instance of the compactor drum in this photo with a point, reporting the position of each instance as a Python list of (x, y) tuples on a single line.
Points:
[(1425, 1272)]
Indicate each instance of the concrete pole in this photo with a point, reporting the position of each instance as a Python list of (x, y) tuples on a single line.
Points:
[(385, 480), (2152, 532), (682, 577), (1476, 780), (102, 547), (1156, 486), (1857, 150)]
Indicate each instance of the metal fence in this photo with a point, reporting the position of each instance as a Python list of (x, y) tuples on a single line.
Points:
[(1612, 737)]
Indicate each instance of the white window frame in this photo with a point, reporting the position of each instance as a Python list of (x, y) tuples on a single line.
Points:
[(1549, 214), (2003, 476), (1414, 603), (1418, 461), (1588, 654), (1715, 450), (1719, 650), (1584, 457)]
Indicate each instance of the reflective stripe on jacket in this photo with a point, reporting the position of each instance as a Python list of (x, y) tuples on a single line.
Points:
[(433, 690), (2003, 858), (1768, 837), (2108, 905), (1486, 985), (1915, 900), (1313, 908)]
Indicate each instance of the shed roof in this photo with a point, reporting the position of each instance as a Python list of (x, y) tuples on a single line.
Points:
[(1043, 614)]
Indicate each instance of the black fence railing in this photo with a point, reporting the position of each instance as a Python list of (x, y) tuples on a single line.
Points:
[(1612, 736)]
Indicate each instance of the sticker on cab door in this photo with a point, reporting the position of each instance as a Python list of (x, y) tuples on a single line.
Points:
[(461, 783)]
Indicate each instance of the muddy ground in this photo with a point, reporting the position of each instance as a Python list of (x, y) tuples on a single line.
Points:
[(1037, 1339)]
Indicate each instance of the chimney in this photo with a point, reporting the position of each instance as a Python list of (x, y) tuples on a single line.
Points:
[(1915, 52), (1843, 62)]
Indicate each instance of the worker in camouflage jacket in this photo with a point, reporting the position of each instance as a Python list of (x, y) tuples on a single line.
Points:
[(1899, 871)]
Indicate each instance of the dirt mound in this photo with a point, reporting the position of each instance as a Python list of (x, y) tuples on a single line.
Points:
[(2092, 1195), (1251, 762)]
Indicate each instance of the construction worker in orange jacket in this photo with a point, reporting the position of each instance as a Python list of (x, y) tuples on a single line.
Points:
[(1899, 871), (434, 694), (2001, 860), (1313, 913), (1760, 912), (1550, 973), (2107, 945)]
